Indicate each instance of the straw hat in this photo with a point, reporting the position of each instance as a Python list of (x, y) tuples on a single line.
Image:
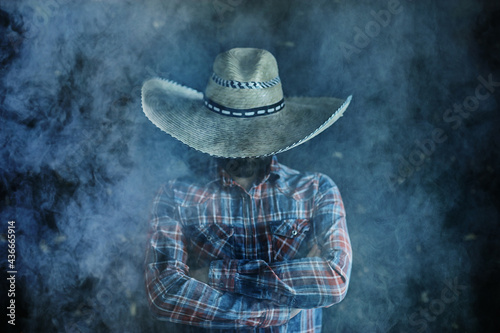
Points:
[(243, 112)]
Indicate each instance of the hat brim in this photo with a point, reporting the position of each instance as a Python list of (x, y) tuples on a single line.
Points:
[(179, 111)]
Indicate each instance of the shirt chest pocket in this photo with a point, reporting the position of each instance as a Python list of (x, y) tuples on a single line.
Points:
[(288, 236), (207, 238)]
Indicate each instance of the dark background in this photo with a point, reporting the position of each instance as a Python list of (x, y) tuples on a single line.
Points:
[(80, 163)]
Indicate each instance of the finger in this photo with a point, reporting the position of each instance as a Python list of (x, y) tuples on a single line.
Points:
[(311, 251), (294, 312), (318, 251)]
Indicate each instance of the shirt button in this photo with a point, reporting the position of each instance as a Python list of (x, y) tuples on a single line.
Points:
[(209, 238), (294, 233)]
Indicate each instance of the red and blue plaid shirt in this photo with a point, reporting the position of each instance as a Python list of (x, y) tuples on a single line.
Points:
[(256, 244)]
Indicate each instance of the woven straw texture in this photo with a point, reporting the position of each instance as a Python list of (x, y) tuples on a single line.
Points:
[(244, 78), (179, 111)]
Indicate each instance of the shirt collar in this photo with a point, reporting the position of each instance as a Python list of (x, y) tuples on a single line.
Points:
[(278, 175)]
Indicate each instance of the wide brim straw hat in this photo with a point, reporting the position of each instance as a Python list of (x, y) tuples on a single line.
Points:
[(243, 112)]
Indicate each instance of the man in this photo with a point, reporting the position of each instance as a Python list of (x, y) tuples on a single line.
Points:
[(258, 246)]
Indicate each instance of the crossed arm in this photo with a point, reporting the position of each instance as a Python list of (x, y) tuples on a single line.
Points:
[(202, 274), (240, 293), (177, 297)]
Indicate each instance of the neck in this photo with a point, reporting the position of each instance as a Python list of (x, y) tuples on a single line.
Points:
[(247, 170), (245, 182)]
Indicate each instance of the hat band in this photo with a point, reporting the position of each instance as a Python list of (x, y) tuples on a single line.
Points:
[(245, 85), (244, 113)]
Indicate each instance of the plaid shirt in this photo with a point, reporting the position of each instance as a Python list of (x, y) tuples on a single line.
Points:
[(256, 244)]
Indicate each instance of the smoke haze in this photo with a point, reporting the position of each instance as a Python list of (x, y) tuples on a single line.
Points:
[(415, 155)]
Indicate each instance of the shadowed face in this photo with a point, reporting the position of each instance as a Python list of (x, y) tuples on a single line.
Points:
[(245, 167)]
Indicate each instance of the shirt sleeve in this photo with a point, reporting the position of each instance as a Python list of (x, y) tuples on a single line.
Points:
[(299, 283), (176, 297)]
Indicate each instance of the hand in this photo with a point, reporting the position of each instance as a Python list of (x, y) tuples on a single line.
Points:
[(294, 312), (200, 274)]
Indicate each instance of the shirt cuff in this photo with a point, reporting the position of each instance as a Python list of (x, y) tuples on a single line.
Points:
[(223, 274)]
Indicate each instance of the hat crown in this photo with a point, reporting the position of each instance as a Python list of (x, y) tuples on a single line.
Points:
[(242, 112), (245, 82), (246, 65)]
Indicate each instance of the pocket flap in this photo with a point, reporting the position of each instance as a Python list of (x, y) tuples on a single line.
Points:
[(216, 231), (290, 228)]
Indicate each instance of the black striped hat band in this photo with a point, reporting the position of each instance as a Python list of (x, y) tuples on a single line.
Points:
[(244, 113), (253, 112), (245, 85)]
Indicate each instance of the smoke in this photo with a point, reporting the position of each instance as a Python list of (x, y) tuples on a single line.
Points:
[(414, 155)]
